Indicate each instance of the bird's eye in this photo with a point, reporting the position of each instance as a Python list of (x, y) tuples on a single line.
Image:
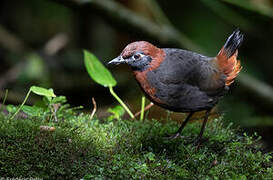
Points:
[(136, 56)]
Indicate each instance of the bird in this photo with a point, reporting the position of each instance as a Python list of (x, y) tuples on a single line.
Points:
[(181, 80)]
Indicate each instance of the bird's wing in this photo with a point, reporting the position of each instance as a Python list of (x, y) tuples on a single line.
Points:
[(208, 78), (186, 67)]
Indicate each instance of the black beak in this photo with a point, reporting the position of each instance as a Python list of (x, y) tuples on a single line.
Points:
[(118, 60)]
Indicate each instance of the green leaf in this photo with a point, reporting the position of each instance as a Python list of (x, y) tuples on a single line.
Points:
[(48, 93), (11, 108), (59, 99), (150, 156), (42, 91), (97, 70), (33, 110), (117, 112)]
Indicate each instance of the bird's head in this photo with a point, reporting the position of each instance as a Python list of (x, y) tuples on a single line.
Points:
[(139, 55)]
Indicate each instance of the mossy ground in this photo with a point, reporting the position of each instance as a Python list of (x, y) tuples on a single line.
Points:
[(125, 149)]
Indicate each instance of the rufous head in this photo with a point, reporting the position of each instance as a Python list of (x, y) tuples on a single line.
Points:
[(139, 55)]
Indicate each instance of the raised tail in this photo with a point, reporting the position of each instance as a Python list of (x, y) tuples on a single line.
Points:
[(227, 57)]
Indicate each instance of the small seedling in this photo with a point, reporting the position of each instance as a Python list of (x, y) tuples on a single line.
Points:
[(117, 112), (100, 74), (48, 93)]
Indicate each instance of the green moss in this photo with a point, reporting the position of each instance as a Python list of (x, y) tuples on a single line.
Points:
[(101, 149)]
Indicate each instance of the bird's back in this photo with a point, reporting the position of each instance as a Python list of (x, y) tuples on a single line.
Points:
[(182, 81)]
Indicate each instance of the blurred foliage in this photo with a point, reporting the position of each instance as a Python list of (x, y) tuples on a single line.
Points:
[(29, 31)]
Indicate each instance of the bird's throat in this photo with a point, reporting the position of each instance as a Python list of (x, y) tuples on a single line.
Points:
[(144, 84)]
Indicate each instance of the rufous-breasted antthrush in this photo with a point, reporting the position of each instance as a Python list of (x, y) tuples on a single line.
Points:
[(181, 80)]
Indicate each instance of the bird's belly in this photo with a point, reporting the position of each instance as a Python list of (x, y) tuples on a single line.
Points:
[(180, 97), (184, 104)]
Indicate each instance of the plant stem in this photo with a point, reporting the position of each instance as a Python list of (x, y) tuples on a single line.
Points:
[(121, 102), (29, 91), (142, 108), (4, 100)]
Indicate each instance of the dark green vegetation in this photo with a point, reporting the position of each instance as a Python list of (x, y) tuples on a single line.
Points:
[(124, 149)]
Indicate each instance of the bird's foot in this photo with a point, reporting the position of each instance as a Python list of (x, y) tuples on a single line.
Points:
[(198, 141), (174, 136)]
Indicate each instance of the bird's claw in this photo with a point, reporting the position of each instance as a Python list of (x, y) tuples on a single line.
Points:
[(197, 141)]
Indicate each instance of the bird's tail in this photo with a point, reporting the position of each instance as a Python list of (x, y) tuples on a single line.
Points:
[(227, 57)]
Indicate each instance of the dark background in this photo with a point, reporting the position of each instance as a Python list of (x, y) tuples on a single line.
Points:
[(41, 43)]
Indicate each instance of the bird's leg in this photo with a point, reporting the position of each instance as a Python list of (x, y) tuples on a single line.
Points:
[(177, 134), (197, 140)]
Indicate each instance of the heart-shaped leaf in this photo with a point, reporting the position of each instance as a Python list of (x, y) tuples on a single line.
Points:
[(97, 70)]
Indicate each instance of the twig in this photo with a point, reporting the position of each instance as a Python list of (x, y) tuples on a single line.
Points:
[(117, 12), (54, 108), (55, 44), (258, 89), (156, 11), (145, 109), (11, 74), (16, 45), (11, 42), (94, 109)]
